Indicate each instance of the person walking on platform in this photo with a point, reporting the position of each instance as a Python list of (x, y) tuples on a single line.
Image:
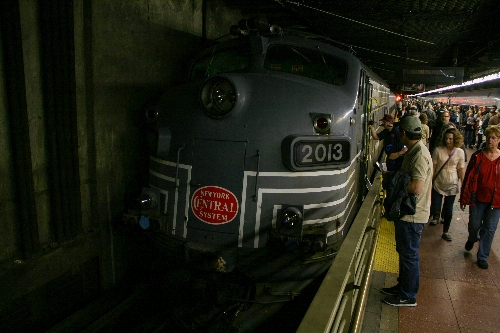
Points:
[(480, 191), (449, 167), (486, 121), (440, 128), (470, 130), (442, 123), (494, 119), (431, 118), (393, 147), (408, 229), (426, 133), (480, 131)]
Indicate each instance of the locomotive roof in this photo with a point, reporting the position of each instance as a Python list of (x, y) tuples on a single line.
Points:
[(294, 37)]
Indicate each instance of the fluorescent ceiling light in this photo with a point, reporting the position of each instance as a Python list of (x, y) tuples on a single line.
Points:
[(486, 78)]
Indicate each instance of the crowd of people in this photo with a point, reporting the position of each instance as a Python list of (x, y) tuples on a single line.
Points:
[(428, 142), (470, 120)]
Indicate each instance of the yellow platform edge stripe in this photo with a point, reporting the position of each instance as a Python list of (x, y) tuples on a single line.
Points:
[(386, 257)]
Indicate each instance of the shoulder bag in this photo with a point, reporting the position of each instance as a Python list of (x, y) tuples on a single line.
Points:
[(437, 173)]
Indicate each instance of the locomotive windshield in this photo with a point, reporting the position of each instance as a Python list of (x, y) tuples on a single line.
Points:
[(306, 62), (222, 61)]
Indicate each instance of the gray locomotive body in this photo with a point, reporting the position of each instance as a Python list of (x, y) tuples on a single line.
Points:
[(260, 162)]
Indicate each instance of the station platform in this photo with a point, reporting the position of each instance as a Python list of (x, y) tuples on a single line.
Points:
[(455, 294)]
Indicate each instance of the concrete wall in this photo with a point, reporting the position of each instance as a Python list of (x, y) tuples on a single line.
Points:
[(126, 54), (8, 241)]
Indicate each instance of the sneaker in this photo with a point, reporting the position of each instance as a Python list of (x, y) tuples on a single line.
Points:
[(469, 245), (393, 291), (482, 264), (446, 236), (433, 222), (396, 301)]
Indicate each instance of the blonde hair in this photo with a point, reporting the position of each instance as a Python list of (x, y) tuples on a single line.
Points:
[(492, 128)]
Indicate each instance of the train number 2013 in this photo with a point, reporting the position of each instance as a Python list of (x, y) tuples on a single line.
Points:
[(321, 152)]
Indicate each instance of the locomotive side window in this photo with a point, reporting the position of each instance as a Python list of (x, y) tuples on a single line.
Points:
[(361, 89), (223, 61), (306, 62)]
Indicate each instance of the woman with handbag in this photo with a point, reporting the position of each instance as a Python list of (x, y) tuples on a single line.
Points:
[(480, 190), (449, 167)]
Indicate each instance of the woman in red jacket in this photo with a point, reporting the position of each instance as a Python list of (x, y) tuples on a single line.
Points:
[(480, 190)]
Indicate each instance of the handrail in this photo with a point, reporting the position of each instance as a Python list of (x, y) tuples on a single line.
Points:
[(365, 287), (339, 299)]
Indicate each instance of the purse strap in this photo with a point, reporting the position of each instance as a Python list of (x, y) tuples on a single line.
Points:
[(435, 176)]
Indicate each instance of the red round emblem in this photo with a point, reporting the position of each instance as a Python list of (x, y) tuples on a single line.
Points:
[(214, 205)]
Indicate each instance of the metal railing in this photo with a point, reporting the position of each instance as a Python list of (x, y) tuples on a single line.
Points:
[(339, 304)]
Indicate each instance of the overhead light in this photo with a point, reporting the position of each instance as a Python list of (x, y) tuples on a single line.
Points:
[(486, 78)]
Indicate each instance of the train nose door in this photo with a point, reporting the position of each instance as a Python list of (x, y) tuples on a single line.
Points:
[(216, 190)]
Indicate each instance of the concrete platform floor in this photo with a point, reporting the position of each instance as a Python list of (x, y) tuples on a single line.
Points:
[(456, 296)]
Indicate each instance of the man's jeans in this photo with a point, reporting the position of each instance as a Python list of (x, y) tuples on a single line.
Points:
[(446, 212), (483, 223), (407, 244)]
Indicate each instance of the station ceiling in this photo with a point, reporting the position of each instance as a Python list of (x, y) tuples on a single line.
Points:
[(390, 36)]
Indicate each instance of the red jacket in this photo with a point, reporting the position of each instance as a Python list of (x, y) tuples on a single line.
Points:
[(469, 185)]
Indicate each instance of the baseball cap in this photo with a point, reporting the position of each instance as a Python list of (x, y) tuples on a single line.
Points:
[(411, 124), (388, 117), (413, 107)]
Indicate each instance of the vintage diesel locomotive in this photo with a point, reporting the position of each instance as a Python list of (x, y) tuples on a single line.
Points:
[(258, 166)]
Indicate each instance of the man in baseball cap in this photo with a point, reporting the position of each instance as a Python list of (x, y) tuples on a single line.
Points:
[(387, 118), (411, 125), (393, 147), (418, 164)]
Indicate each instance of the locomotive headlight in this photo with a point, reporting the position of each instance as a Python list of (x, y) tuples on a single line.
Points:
[(218, 97), (148, 199), (290, 221), (291, 218), (151, 113)]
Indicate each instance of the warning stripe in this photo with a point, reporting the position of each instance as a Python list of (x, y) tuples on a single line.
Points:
[(386, 257)]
